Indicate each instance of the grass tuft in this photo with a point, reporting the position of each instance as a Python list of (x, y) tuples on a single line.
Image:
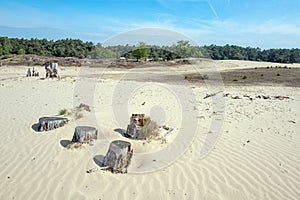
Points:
[(63, 112), (150, 129), (205, 77)]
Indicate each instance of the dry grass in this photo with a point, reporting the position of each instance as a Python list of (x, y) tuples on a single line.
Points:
[(78, 115), (150, 130), (76, 112), (63, 112), (83, 106), (75, 145)]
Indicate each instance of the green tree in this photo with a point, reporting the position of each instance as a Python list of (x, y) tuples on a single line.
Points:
[(21, 52), (101, 52), (141, 51), (5, 45), (182, 49)]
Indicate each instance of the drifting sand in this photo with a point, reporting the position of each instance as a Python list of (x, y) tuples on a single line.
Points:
[(256, 155)]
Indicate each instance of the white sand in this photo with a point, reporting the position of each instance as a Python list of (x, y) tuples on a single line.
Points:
[(256, 155)]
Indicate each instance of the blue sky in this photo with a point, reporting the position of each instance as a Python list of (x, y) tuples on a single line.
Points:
[(256, 23)]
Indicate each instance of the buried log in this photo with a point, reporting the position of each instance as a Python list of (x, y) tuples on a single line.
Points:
[(84, 134), (118, 156), (50, 123)]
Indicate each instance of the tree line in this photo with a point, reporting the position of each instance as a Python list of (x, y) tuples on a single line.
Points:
[(182, 49), (253, 54), (43, 47)]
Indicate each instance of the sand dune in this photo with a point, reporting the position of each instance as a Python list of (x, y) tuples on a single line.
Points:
[(256, 155)]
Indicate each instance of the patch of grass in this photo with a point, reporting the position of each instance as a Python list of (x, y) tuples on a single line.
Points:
[(149, 130), (85, 107), (78, 115), (205, 77), (234, 80), (63, 112)]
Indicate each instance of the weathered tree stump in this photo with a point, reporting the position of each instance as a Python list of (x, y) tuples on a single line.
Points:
[(136, 123), (50, 123), (51, 70), (85, 134), (118, 156)]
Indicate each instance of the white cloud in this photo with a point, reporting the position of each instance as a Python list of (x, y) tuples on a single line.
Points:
[(274, 28)]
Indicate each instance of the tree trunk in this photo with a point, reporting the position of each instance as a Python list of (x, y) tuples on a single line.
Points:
[(50, 123), (84, 134), (136, 123), (118, 156)]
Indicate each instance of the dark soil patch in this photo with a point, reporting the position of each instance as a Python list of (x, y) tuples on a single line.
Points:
[(256, 76)]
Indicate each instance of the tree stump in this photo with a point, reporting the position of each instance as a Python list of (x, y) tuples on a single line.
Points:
[(136, 123), (118, 156), (50, 123), (85, 134), (51, 70)]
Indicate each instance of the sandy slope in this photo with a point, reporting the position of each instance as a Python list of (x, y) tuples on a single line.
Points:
[(256, 155)]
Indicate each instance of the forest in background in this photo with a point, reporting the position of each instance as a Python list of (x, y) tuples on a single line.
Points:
[(182, 49)]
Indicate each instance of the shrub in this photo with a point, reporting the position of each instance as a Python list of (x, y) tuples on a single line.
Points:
[(85, 107), (278, 75), (63, 112), (205, 77), (149, 130), (244, 77)]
